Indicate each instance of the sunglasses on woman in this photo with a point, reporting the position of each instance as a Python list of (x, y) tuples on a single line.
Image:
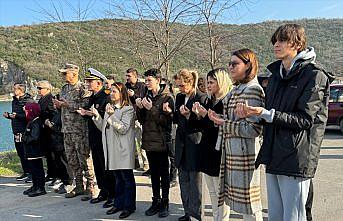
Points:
[(233, 64)]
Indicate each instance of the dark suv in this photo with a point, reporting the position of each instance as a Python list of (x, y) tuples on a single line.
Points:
[(336, 106)]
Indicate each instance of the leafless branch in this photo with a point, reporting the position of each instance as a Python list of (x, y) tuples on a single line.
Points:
[(157, 18), (56, 15)]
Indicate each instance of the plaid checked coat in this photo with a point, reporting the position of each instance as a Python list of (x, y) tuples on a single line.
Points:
[(239, 141)]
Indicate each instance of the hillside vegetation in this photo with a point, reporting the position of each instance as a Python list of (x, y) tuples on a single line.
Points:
[(106, 45)]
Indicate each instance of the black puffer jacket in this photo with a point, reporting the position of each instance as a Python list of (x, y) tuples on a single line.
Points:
[(57, 140), (157, 124), (19, 122), (291, 143), (32, 146)]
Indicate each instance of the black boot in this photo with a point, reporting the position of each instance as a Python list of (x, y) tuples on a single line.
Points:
[(37, 192), (26, 192), (154, 208), (185, 218), (147, 173), (164, 208)]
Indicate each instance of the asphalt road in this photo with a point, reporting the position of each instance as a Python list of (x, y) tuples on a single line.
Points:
[(328, 205)]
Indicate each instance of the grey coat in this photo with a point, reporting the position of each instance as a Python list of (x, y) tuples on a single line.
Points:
[(118, 138)]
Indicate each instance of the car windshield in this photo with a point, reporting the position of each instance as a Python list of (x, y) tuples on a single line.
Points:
[(336, 94)]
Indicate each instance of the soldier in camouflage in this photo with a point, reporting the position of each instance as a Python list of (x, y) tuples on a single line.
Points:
[(73, 96)]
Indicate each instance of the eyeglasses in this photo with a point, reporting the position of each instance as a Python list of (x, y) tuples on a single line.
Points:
[(233, 64), (40, 88)]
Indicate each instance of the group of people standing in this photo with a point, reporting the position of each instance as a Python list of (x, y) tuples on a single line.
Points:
[(223, 135)]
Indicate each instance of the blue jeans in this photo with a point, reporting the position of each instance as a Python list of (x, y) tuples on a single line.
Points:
[(125, 190), (287, 196)]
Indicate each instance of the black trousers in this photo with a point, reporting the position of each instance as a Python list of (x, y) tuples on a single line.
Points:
[(46, 143), (159, 167), (37, 171), (110, 183), (19, 146), (105, 179), (52, 170), (125, 189), (309, 202), (60, 158), (171, 153)]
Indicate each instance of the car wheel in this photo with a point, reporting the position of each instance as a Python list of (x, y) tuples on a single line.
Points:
[(341, 125)]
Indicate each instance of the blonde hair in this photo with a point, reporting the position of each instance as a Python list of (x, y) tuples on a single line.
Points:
[(224, 82), (21, 87), (189, 76)]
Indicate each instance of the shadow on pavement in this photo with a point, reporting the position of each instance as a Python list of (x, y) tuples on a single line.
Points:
[(332, 134), (143, 184), (332, 148), (331, 157)]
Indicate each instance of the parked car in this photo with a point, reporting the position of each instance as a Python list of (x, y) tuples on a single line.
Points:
[(336, 106)]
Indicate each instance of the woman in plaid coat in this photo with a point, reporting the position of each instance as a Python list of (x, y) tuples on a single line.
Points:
[(238, 138)]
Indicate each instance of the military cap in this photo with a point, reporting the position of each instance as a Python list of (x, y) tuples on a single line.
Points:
[(69, 66), (93, 74)]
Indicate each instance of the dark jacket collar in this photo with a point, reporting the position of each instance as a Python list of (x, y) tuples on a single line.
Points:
[(101, 92), (24, 97), (183, 97), (137, 85), (274, 68), (46, 96), (163, 91)]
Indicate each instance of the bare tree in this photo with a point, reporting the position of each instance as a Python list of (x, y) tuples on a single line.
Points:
[(56, 14), (156, 28), (135, 44), (212, 11)]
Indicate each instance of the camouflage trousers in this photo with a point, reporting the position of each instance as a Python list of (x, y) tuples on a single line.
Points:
[(138, 143), (78, 156)]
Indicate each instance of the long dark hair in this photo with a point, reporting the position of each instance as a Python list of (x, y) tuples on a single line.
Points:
[(125, 101)]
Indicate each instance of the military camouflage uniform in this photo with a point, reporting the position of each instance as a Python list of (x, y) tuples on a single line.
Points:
[(74, 128)]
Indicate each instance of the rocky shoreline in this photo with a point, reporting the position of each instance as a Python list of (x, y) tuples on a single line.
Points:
[(5, 98)]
